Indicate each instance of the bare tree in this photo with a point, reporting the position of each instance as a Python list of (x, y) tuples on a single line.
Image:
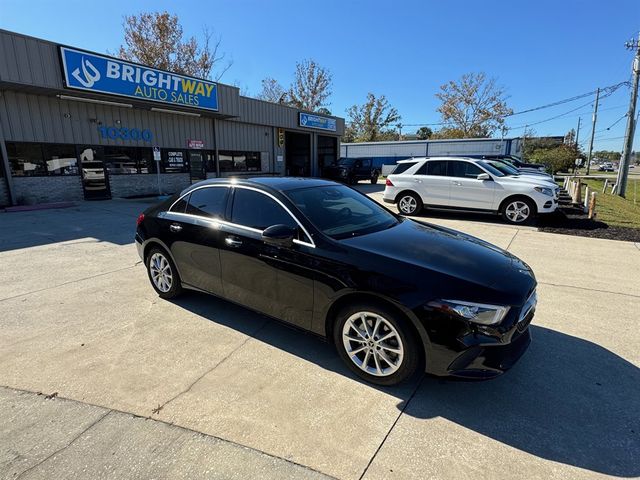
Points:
[(371, 121), (473, 106), (272, 91), (156, 39), (311, 86)]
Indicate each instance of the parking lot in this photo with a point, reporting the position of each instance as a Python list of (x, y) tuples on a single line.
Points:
[(99, 377)]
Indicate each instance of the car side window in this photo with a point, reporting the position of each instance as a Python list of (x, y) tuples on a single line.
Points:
[(402, 167), (257, 210), (181, 205), (366, 163), (464, 170), (208, 202), (434, 167)]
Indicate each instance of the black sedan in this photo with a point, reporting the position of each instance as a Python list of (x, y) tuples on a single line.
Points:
[(393, 295)]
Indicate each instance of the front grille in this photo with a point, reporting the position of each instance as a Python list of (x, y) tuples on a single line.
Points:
[(527, 312)]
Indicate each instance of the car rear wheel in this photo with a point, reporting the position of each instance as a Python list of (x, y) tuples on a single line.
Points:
[(518, 211), (163, 274), (375, 344), (374, 179), (409, 203)]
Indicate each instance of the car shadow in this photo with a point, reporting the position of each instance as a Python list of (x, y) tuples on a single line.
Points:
[(368, 188), (568, 400)]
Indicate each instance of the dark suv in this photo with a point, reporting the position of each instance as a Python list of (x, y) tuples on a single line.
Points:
[(352, 170)]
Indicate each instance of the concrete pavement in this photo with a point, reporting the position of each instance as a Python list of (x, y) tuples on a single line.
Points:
[(79, 318)]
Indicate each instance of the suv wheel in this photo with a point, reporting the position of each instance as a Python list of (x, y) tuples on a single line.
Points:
[(375, 344), (374, 179), (163, 274), (518, 211), (409, 203)]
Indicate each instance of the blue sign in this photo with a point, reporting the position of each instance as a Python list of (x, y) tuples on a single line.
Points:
[(310, 120), (100, 74)]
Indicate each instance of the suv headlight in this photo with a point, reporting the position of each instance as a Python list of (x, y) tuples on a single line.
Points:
[(480, 313), (544, 190)]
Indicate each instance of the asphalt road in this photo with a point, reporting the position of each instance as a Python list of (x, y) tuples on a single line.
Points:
[(139, 387)]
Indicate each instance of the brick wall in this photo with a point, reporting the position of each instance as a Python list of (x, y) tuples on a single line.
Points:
[(32, 190), (147, 184)]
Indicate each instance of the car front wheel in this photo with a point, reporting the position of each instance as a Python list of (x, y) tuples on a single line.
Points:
[(409, 204), (518, 211), (163, 274), (375, 344)]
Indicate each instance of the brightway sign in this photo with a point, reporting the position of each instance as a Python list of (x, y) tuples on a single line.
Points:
[(96, 73), (316, 121)]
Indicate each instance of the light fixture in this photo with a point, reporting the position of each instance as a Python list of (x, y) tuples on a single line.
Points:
[(177, 112), (93, 100)]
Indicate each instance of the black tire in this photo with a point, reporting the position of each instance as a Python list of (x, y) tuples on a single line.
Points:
[(374, 179), (409, 203), (407, 344), (151, 263), (518, 211)]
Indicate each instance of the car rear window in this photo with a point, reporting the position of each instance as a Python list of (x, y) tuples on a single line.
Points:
[(402, 167), (208, 202)]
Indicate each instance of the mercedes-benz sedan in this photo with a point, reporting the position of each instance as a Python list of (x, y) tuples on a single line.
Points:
[(392, 294)]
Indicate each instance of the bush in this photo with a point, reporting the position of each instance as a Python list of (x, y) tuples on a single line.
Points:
[(561, 158)]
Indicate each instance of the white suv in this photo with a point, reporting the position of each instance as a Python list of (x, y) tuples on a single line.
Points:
[(468, 184)]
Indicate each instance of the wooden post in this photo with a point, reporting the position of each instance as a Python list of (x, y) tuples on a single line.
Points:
[(587, 199), (606, 184), (592, 206)]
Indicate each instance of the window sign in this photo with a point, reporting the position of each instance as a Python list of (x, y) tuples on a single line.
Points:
[(98, 73), (175, 159), (123, 133)]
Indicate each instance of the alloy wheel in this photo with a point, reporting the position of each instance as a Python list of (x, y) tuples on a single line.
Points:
[(161, 274), (517, 212), (373, 344), (408, 204)]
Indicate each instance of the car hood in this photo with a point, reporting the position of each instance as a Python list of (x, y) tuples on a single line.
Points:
[(450, 253), (532, 180)]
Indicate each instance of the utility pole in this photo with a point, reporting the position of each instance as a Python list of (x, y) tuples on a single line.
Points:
[(524, 136), (593, 130), (623, 168), (576, 143), (399, 131)]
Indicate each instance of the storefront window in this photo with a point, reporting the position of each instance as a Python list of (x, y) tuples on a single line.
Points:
[(174, 161), (36, 159), (128, 160), (240, 161), (146, 163)]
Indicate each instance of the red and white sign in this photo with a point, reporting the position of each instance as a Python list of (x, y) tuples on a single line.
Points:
[(195, 144)]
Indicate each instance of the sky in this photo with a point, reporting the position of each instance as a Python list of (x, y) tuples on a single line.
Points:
[(540, 51)]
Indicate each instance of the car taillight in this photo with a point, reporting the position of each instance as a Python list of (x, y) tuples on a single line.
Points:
[(140, 219), (388, 183)]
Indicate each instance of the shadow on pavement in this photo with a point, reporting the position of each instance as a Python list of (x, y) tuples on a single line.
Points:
[(112, 221), (568, 400)]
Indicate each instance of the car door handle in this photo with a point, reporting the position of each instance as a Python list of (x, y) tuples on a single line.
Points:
[(458, 184), (233, 242), (418, 180), (175, 228)]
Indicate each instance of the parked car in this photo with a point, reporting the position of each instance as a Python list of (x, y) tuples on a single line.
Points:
[(460, 183), (514, 161), (352, 170), (606, 167), (392, 294)]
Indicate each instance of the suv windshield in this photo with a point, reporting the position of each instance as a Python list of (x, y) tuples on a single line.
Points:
[(346, 161), (490, 168), (504, 167), (340, 212)]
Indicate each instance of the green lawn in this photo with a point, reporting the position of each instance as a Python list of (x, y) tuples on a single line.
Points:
[(615, 210)]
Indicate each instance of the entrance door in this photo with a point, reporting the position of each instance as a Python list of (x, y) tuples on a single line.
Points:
[(327, 151), (297, 154), (95, 182), (196, 162)]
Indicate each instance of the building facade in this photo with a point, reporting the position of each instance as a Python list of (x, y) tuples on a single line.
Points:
[(80, 125)]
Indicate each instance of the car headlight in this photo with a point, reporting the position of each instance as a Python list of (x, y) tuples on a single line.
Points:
[(474, 312), (544, 190)]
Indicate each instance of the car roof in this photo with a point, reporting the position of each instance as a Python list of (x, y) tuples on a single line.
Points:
[(421, 159), (274, 183)]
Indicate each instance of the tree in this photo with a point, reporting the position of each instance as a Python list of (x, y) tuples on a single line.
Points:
[(424, 133), (370, 121), (156, 39), (608, 155), (473, 106), (272, 91), (559, 158), (311, 86)]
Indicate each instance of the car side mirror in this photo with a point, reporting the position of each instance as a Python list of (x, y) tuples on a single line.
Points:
[(279, 235), (484, 176)]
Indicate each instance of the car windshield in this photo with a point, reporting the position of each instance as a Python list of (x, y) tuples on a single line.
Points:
[(491, 169), (340, 212), (504, 167), (346, 161)]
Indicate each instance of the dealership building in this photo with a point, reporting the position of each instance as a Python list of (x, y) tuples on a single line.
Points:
[(81, 125)]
